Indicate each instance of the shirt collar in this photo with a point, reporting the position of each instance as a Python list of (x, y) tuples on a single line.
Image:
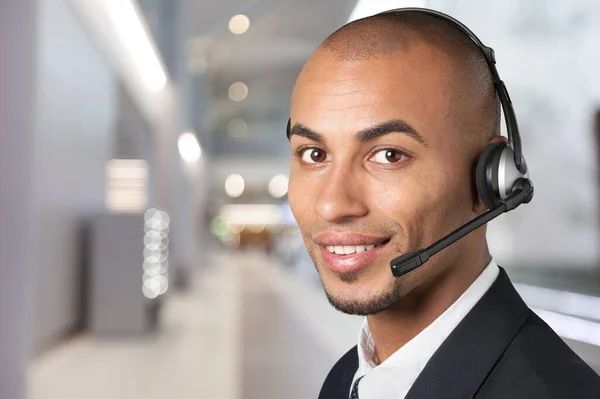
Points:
[(393, 378)]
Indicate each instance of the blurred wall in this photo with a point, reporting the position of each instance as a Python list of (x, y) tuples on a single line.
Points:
[(547, 53), (188, 248), (76, 100), (18, 25)]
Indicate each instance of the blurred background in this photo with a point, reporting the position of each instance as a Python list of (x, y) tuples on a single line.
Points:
[(147, 249)]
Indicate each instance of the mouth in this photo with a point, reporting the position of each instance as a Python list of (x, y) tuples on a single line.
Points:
[(344, 250), (344, 257)]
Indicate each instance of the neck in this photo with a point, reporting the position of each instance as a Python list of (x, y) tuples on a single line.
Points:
[(394, 327)]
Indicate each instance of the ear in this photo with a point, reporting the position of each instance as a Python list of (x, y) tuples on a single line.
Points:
[(497, 139), (478, 205)]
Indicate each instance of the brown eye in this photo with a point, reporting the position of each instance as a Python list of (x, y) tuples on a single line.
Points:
[(314, 155), (387, 156)]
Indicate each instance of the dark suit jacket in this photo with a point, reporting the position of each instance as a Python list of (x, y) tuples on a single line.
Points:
[(500, 350)]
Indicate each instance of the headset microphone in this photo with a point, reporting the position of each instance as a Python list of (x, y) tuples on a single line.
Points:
[(522, 193)]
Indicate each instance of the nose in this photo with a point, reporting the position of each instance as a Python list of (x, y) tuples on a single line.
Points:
[(341, 198)]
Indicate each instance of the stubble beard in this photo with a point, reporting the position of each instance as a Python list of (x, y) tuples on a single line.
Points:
[(357, 305)]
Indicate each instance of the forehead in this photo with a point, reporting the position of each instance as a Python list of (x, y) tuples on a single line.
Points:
[(336, 95)]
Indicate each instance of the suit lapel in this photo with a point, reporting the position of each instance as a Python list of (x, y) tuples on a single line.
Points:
[(463, 361), (337, 383)]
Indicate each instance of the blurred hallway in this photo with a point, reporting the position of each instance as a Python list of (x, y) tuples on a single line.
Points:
[(137, 136), (246, 330)]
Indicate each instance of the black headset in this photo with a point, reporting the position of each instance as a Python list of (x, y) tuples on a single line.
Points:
[(500, 164)]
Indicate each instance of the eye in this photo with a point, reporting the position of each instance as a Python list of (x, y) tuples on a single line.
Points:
[(313, 155), (387, 156)]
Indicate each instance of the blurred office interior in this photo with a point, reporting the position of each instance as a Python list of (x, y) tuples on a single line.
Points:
[(146, 246)]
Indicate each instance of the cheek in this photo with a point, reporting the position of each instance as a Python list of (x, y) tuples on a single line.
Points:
[(421, 201), (300, 197)]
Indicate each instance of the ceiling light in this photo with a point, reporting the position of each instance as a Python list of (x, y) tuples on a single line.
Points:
[(278, 186), (366, 8), (238, 91), (237, 127), (189, 148), (132, 33), (239, 24), (234, 185)]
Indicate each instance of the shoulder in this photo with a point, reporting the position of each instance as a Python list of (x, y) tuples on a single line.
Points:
[(337, 383), (538, 363)]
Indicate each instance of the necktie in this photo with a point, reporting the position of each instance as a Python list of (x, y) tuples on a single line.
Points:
[(354, 393)]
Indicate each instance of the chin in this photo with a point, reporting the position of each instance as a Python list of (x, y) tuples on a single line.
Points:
[(348, 294)]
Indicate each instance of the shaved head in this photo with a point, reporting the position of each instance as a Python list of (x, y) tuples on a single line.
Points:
[(468, 72)]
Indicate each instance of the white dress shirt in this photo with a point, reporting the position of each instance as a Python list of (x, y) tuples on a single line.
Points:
[(393, 378)]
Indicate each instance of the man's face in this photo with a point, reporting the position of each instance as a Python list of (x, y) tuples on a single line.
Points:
[(378, 170)]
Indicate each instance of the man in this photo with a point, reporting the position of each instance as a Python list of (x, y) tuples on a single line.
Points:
[(388, 118)]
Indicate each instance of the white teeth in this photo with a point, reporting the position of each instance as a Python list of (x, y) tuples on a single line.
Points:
[(348, 249)]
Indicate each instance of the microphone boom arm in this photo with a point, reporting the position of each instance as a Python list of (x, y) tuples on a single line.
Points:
[(522, 193)]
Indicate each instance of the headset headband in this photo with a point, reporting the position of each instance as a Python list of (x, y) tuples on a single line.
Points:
[(510, 118)]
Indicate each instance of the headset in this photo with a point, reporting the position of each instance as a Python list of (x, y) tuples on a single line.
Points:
[(501, 174)]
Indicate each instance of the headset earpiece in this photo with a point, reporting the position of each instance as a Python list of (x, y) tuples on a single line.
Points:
[(496, 173), (486, 174)]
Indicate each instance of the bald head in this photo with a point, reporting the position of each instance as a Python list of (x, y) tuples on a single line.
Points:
[(467, 72)]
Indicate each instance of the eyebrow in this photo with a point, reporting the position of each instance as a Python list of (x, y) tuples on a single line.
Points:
[(368, 134)]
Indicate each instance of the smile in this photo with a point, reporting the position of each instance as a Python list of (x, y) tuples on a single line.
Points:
[(351, 249), (344, 257)]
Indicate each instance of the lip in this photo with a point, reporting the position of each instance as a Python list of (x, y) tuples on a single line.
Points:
[(353, 262), (348, 238)]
